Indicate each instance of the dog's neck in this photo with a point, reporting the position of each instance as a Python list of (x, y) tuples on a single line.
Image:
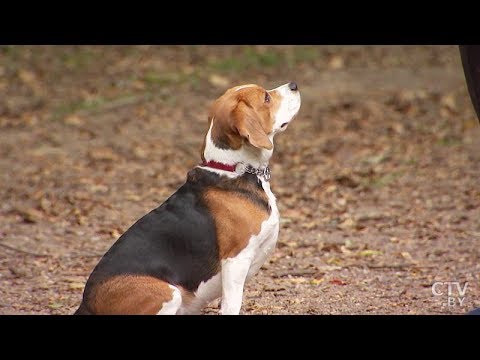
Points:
[(247, 155)]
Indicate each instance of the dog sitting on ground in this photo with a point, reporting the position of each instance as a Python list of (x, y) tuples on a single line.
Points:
[(215, 231)]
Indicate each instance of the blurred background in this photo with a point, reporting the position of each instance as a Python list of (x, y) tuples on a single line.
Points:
[(377, 179)]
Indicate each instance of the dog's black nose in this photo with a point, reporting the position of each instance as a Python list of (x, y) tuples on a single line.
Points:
[(293, 86)]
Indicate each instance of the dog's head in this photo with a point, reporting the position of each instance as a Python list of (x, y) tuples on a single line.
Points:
[(248, 117)]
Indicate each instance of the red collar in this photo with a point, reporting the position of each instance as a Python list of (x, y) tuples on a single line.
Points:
[(221, 166)]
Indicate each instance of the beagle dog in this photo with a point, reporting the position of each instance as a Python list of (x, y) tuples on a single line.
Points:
[(215, 231)]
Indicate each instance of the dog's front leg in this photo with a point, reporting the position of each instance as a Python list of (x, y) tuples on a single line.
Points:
[(234, 273)]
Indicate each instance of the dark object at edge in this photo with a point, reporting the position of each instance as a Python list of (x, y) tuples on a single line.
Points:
[(470, 55), (474, 312)]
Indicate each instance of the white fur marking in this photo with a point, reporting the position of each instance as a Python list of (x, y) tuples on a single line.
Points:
[(206, 292), (235, 271), (244, 86), (288, 109), (266, 240), (171, 307)]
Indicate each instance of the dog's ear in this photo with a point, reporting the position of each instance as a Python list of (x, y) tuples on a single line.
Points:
[(247, 122)]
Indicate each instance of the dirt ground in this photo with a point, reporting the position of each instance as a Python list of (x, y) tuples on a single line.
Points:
[(377, 180)]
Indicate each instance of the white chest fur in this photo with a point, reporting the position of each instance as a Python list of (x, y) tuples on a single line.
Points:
[(262, 245), (238, 269)]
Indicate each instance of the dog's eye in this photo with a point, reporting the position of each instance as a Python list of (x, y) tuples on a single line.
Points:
[(267, 97)]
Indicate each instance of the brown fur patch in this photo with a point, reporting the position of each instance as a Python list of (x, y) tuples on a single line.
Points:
[(129, 295), (236, 218)]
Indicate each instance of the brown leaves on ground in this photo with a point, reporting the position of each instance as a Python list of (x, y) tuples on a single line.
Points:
[(376, 180)]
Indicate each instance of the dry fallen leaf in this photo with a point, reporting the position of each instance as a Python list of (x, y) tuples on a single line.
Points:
[(76, 286), (29, 215), (337, 282), (316, 281), (27, 76), (336, 62), (309, 225), (74, 120), (218, 80), (369, 252), (133, 197), (115, 233), (406, 255), (348, 224), (55, 305), (74, 279), (448, 101), (103, 153), (334, 261), (140, 152)]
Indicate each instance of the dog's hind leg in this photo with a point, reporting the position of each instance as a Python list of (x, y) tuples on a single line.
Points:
[(132, 295)]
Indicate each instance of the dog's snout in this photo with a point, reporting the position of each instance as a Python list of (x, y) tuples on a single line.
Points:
[(293, 86)]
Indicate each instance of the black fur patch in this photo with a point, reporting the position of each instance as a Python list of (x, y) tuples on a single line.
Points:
[(222, 142)]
